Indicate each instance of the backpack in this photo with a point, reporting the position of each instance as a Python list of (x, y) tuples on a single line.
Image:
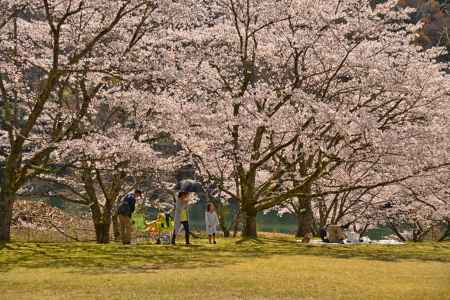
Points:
[(124, 209)]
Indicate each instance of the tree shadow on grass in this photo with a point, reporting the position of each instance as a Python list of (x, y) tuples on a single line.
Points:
[(116, 258), (4, 245), (249, 240), (415, 251)]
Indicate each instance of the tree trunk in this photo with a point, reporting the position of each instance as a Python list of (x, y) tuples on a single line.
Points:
[(222, 219), (102, 233), (305, 218), (415, 236), (102, 224), (397, 233), (446, 233), (116, 229), (7, 198), (225, 229), (249, 222), (237, 222), (363, 231)]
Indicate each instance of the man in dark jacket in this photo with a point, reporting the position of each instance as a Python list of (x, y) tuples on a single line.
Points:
[(125, 211)]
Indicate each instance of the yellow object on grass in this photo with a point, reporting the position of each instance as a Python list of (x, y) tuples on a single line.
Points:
[(160, 224)]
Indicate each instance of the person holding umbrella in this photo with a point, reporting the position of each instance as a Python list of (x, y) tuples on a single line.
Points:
[(186, 188)]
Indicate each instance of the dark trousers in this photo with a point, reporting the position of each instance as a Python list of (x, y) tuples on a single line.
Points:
[(186, 232)]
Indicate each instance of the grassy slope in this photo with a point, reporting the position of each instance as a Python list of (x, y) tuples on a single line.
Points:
[(262, 269)]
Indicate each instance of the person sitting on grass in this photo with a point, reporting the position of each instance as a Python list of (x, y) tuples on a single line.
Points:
[(211, 221), (324, 234), (163, 224), (181, 216)]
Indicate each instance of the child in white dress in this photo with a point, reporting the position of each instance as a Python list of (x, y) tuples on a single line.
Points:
[(211, 221)]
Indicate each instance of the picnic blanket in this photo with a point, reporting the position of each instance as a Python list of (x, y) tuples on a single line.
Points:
[(364, 241)]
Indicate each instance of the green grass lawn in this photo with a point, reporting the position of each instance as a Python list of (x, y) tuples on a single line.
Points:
[(257, 269)]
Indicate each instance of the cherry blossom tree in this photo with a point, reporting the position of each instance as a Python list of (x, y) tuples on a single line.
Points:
[(113, 154), (366, 199), (271, 95), (56, 59), (416, 206), (267, 85), (355, 192), (342, 196), (213, 182), (102, 169)]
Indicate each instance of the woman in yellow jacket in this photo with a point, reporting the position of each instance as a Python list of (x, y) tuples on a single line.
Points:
[(181, 216)]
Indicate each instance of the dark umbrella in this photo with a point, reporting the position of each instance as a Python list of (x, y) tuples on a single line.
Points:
[(189, 185)]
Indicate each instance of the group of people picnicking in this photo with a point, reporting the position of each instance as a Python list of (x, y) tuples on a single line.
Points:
[(127, 207)]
